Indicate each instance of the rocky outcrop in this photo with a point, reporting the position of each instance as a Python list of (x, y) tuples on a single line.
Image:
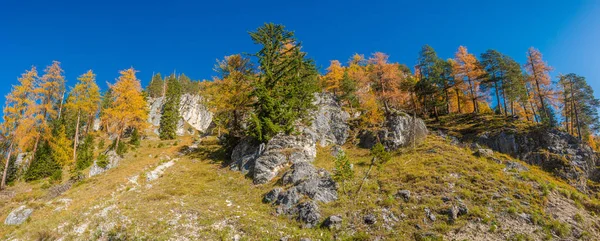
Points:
[(264, 162), (191, 109), (112, 161), (18, 216), (399, 130), (551, 149), (330, 121)]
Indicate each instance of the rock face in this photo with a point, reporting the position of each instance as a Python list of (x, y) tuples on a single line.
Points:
[(263, 162), (399, 130), (113, 160), (18, 216), (551, 149), (191, 109), (23, 158), (330, 122)]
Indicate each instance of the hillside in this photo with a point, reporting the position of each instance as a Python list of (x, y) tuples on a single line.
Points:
[(198, 198)]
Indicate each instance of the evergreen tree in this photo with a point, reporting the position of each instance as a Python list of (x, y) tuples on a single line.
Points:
[(348, 88), (170, 112), (44, 165), (580, 107), (135, 138), (286, 83), (85, 152), (155, 88)]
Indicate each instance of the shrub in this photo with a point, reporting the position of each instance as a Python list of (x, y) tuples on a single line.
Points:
[(135, 138), (43, 165), (102, 161)]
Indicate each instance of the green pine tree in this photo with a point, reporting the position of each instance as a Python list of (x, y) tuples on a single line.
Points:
[(286, 83), (85, 153), (156, 86), (170, 112)]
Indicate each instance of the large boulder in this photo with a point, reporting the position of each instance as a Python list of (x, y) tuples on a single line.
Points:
[(330, 122), (308, 214), (112, 161), (244, 154), (399, 130), (282, 150), (18, 216), (191, 110)]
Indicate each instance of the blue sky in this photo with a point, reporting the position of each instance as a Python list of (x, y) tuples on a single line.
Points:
[(188, 36)]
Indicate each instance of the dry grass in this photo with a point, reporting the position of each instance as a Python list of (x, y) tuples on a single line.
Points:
[(198, 198)]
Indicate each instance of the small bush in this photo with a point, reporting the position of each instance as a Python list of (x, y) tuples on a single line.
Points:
[(102, 161), (101, 144), (578, 218), (56, 175), (135, 138)]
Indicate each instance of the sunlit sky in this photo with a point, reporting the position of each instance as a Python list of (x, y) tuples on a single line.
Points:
[(188, 36)]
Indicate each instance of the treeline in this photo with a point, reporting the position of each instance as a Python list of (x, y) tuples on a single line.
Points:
[(56, 126), (494, 83)]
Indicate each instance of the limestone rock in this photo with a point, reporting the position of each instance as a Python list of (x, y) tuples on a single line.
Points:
[(308, 214), (482, 152), (113, 161), (244, 154), (330, 121), (399, 130), (272, 195), (191, 110), (299, 171), (18, 216), (333, 222), (279, 151), (404, 194)]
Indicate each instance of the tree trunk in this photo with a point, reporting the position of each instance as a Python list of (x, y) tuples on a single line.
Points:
[(76, 138), (3, 184), (537, 84), (366, 176), (458, 100), (475, 106), (498, 97), (447, 101)]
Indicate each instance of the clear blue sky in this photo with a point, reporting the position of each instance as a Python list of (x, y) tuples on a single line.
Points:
[(188, 36)]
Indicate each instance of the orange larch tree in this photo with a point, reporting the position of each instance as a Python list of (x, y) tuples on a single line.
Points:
[(467, 68)]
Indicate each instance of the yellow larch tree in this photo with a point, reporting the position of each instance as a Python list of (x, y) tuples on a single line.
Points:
[(17, 127), (84, 100), (228, 96), (49, 89), (128, 109), (334, 76)]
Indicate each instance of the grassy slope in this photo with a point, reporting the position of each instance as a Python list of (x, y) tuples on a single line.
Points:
[(198, 199)]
